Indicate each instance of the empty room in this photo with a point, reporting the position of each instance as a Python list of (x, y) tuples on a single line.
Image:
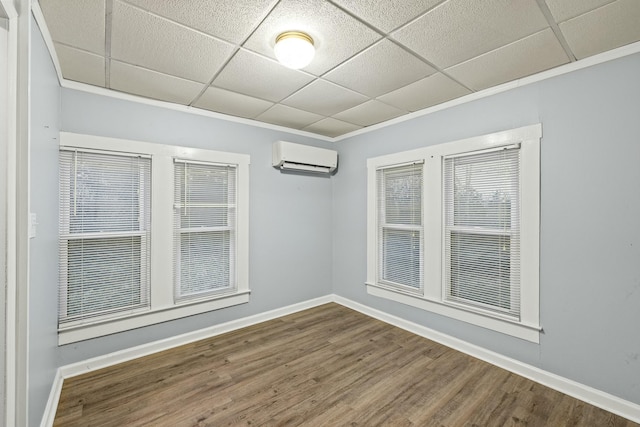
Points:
[(320, 212)]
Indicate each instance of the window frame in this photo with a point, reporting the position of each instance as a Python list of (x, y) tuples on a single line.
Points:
[(67, 236), (162, 306), (383, 225), (449, 228), (433, 296), (179, 231)]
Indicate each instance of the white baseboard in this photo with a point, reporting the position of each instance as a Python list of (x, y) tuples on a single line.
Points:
[(582, 392), (587, 394), (52, 403)]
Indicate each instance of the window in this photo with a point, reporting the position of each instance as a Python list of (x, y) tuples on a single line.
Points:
[(400, 225), (204, 229), (104, 234), (466, 245), (133, 254), (482, 230)]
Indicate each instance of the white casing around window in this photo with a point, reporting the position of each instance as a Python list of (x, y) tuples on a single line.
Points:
[(162, 306), (432, 298)]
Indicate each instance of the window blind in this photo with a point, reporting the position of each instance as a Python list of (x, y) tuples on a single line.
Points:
[(204, 229), (400, 228), (104, 234), (482, 230)]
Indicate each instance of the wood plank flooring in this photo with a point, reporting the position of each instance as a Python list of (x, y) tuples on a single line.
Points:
[(327, 366)]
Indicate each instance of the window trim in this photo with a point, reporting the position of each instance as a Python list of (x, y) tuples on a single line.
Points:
[(483, 231), (383, 226), (163, 308), (66, 236), (433, 297), (179, 231)]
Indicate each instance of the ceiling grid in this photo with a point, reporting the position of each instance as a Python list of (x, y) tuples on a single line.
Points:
[(375, 60)]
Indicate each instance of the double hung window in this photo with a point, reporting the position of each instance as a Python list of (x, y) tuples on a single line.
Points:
[(482, 230), (105, 218), (132, 253), (454, 229), (204, 221), (400, 228)]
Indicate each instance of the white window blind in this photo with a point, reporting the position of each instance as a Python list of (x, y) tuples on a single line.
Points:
[(482, 230), (104, 235), (400, 228), (204, 229)]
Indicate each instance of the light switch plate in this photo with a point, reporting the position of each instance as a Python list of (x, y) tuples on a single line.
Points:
[(32, 225)]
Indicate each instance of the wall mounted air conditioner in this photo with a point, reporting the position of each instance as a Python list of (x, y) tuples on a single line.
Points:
[(288, 156)]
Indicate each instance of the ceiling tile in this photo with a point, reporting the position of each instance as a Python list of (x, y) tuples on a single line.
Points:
[(261, 77), (608, 27), (331, 127), (424, 93), (235, 104), (80, 23), (369, 113), (337, 36), (375, 71), (81, 66), (140, 38), (231, 20), (458, 30), (387, 15), (324, 98), (288, 116), (567, 9), (151, 84), (530, 55)]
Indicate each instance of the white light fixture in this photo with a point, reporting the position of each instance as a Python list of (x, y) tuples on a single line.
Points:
[(294, 49)]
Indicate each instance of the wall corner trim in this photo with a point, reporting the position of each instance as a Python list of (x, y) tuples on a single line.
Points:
[(574, 389)]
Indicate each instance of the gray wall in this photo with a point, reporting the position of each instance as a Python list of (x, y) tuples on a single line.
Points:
[(43, 253), (590, 213), (290, 216)]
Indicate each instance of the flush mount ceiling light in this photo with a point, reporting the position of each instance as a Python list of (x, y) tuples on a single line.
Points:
[(294, 49)]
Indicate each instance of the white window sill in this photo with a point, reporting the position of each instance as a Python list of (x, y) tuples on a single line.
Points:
[(106, 327), (505, 326)]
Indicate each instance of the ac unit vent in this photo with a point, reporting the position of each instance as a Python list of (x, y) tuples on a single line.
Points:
[(288, 156)]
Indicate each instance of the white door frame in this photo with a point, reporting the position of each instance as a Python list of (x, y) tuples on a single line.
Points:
[(15, 244)]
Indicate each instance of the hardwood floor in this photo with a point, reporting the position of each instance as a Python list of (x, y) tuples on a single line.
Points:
[(327, 366)]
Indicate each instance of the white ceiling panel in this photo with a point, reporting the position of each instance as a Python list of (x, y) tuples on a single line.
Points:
[(260, 77), (424, 93), (374, 59), (81, 66), (80, 23), (235, 104), (331, 127), (324, 98), (530, 55), (369, 113), (605, 28), (567, 9), (143, 39), (387, 15), (231, 20), (458, 30), (375, 71), (337, 36), (151, 84), (289, 117)]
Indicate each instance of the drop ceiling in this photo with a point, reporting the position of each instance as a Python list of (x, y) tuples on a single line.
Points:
[(375, 59)]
